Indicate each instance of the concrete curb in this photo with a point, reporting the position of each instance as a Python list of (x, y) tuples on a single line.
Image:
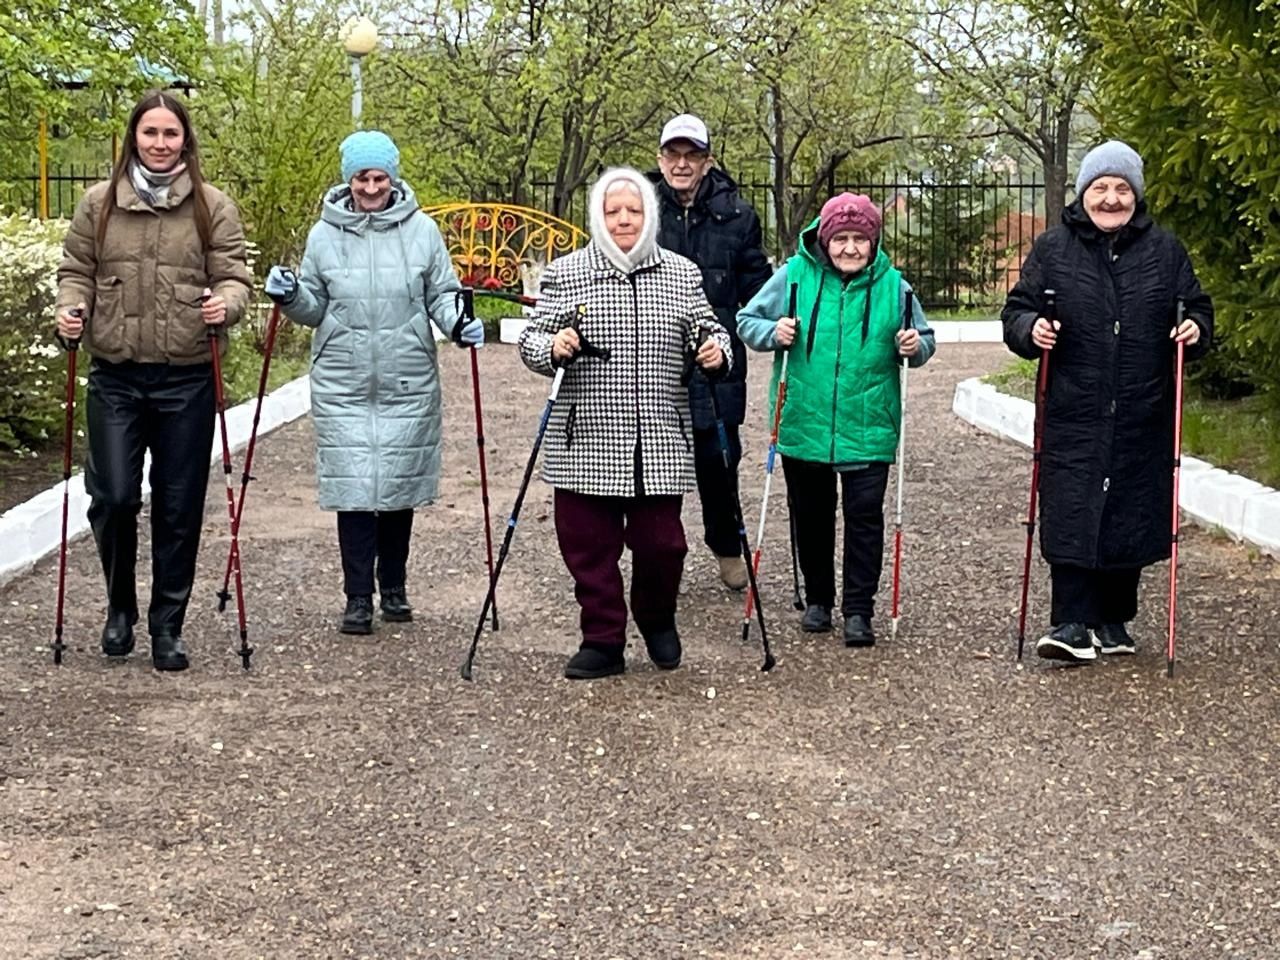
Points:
[(1244, 508), (33, 529)]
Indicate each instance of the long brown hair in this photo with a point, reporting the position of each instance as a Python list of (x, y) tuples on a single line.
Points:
[(190, 155)]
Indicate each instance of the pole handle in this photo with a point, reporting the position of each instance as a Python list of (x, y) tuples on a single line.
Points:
[(465, 302), (1050, 304), (72, 343), (585, 347), (908, 312)]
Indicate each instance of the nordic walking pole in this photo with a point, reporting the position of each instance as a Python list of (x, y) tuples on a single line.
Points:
[(467, 313), (1177, 470), (585, 349), (1042, 381), (233, 554), (769, 661), (246, 651), (73, 348), (768, 471), (902, 459)]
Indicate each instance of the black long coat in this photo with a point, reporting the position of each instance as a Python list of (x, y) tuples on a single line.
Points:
[(1106, 474), (720, 232)]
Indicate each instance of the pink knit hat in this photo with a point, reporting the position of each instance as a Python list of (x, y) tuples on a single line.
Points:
[(848, 211)]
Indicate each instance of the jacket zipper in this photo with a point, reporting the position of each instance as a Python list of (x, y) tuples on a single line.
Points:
[(373, 380), (835, 389), (637, 454)]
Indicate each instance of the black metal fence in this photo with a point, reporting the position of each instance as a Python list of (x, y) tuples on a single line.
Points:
[(66, 184), (960, 244)]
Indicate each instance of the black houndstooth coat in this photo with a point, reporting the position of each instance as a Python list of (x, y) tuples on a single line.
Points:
[(622, 428)]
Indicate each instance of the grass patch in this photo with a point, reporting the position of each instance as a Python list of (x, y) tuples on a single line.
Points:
[(964, 313), (1236, 435)]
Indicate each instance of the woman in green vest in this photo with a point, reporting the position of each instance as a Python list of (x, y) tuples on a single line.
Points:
[(843, 407)]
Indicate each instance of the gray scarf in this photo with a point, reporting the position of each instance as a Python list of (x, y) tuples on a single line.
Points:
[(152, 187)]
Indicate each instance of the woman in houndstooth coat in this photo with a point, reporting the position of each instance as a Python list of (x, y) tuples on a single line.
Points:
[(619, 445)]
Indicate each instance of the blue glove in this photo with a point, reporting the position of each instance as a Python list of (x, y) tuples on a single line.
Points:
[(472, 333), (281, 285)]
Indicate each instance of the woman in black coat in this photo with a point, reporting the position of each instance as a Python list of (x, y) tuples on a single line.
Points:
[(1106, 469)]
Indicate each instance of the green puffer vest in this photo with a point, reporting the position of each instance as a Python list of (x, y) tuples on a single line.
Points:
[(843, 403)]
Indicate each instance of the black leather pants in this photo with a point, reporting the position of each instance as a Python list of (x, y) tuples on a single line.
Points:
[(169, 410)]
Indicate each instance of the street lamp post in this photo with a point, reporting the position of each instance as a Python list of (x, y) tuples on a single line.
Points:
[(359, 37)]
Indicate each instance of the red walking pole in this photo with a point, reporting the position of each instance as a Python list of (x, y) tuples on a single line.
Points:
[(233, 554), (1177, 469), (768, 472), (73, 348), (1042, 382), (467, 314), (246, 651), (902, 458)]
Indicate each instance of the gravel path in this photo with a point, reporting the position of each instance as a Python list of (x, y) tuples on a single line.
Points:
[(927, 798)]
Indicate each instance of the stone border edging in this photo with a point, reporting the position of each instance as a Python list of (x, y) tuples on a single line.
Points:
[(32, 530), (1244, 508)]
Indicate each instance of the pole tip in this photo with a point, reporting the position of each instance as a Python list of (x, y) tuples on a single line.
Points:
[(466, 671), (769, 663)]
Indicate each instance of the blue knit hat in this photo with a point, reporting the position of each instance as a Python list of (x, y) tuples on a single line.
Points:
[(369, 150), (1111, 159)]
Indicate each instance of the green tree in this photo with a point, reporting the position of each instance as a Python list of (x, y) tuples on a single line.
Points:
[(1195, 88)]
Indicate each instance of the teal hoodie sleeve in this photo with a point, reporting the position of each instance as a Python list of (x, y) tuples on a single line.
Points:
[(928, 343), (759, 318)]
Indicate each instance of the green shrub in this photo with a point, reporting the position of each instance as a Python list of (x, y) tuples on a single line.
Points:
[(31, 364)]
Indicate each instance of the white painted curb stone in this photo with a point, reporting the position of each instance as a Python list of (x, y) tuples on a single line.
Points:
[(33, 529), (1244, 508)]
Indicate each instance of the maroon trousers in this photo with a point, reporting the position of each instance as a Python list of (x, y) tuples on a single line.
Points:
[(592, 532)]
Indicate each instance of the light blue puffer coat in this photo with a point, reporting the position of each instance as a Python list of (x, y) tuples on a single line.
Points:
[(371, 284)]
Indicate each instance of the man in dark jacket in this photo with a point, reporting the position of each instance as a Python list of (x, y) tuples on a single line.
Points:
[(1107, 438), (705, 219)]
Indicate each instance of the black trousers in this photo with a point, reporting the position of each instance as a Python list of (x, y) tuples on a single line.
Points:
[(374, 542), (716, 489), (811, 490), (1093, 597), (131, 408)]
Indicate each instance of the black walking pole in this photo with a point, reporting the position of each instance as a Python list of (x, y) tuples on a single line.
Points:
[(585, 349), (769, 661), (73, 348)]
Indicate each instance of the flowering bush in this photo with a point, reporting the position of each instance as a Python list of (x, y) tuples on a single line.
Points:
[(31, 364)]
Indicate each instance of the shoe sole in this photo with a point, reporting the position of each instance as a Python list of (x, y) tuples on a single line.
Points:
[(356, 631), (810, 628), (860, 642), (1049, 649), (397, 617), (1121, 649), (611, 671), (170, 666), (111, 650), (665, 664)]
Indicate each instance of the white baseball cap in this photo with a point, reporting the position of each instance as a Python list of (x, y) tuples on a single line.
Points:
[(686, 127)]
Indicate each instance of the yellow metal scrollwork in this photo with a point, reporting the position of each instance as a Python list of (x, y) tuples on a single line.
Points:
[(488, 242)]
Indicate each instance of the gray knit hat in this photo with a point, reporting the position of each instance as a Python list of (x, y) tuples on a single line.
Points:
[(1111, 159)]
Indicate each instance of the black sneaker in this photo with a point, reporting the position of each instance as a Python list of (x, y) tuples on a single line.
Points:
[(1072, 642), (816, 619), (395, 606), (857, 631), (117, 633), (592, 663), (664, 648), (1113, 638), (169, 653), (358, 617)]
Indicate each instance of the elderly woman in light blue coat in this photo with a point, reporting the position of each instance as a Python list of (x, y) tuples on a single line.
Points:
[(375, 276)]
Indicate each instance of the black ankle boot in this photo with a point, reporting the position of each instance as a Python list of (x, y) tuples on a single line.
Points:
[(395, 606), (358, 617), (858, 632), (594, 662), (664, 648), (117, 634), (169, 653)]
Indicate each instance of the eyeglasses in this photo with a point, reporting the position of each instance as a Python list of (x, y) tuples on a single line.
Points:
[(691, 156)]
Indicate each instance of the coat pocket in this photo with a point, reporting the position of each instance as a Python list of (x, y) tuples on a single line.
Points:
[(108, 324), (570, 422), (684, 434), (185, 334)]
